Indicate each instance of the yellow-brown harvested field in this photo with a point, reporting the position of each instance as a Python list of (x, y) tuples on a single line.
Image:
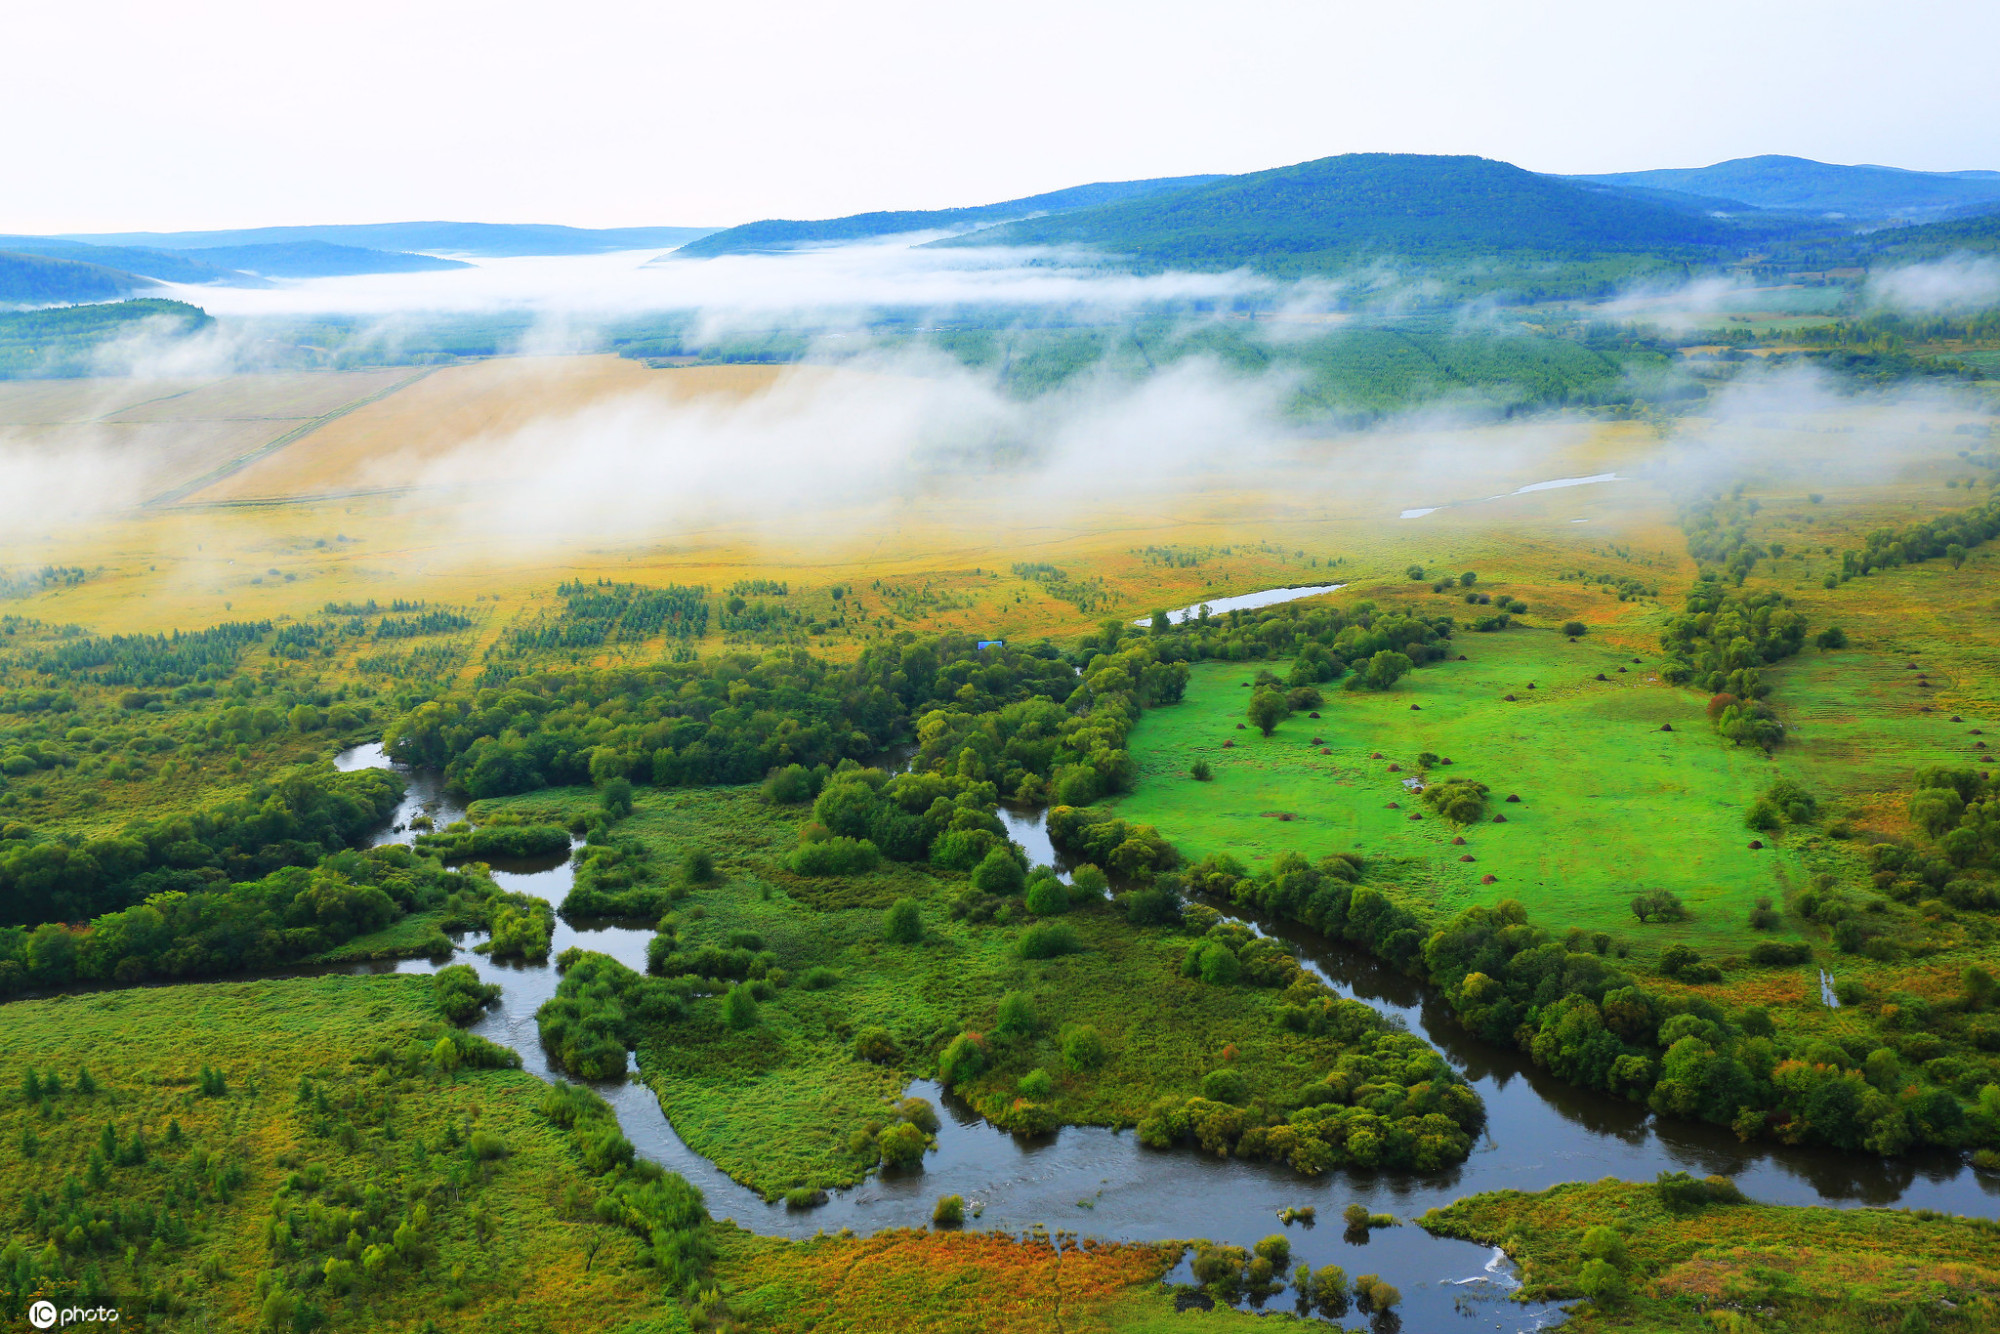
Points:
[(374, 502), (396, 441), (140, 440)]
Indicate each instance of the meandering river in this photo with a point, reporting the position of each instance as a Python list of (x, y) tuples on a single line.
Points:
[(1104, 1183)]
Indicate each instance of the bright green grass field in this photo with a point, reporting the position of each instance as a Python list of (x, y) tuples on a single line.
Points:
[(1609, 803), (1855, 719)]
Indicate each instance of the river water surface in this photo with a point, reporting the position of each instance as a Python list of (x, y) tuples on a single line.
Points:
[(1098, 1182)]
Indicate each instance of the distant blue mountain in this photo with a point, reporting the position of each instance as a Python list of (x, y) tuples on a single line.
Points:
[(164, 265), (781, 234), (492, 239), (1801, 185), (316, 259), (45, 280)]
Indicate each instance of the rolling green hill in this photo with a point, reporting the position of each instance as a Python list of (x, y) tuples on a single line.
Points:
[(36, 344), (1327, 214), (781, 234), (1805, 186), (46, 280), (161, 264)]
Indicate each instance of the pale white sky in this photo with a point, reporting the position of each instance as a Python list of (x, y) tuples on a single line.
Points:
[(132, 114)]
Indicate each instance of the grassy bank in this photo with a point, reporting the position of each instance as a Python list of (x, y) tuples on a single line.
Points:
[(1736, 1266)]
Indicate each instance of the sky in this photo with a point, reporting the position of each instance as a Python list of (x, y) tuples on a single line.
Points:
[(215, 113)]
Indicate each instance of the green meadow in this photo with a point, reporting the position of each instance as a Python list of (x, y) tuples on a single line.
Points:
[(1610, 803)]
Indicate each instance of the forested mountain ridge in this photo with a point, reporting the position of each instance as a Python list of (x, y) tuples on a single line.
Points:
[(42, 280), (785, 234), (1324, 214)]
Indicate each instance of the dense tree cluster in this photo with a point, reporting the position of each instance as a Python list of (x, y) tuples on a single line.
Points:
[(605, 612), (1389, 1101), (1324, 642), (204, 927), (1721, 643), (1567, 1005), (1588, 1022), (1959, 807), (599, 1011), (149, 660), (862, 814), (1949, 537), (731, 719), (294, 820)]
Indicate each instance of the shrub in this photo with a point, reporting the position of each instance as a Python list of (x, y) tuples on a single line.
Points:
[(1764, 917), (1219, 1267), (1000, 872), (1225, 1085), (1777, 953), (1605, 1243), (460, 993), (834, 856), (1575, 629), (1277, 1248), (960, 849), (1047, 897), (616, 797), (1035, 1084), (1459, 800), (1606, 1287), (1374, 1294), (789, 786), (486, 1146), (902, 1145), (1017, 1014), (1046, 940), (1675, 958), (1086, 881), (962, 1060), (739, 1007), (1268, 709), (1329, 1290), (819, 978), (1356, 1217), (1659, 905), (1681, 1192), (877, 1045), (903, 924), (1200, 771), (1155, 906), (697, 866), (949, 1211), (1082, 1048), (1218, 964)]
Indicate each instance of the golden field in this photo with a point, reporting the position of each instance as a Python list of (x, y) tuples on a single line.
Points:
[(392, 494)]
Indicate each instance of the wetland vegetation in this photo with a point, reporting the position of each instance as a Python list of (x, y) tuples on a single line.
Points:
[(959, 850)]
